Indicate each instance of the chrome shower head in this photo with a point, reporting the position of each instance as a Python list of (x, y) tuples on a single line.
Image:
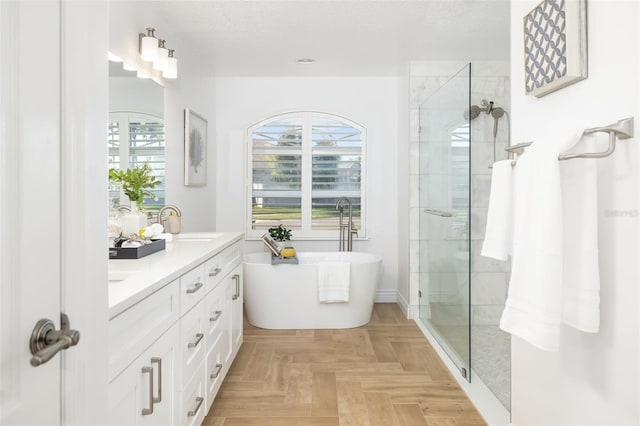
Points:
[(497, 112), (473, 112)]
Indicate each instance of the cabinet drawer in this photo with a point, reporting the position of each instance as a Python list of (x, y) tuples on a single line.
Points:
[(191, 289), (193, 406), (135, 329), (192, 340), (216, 315), (216, 370), (221, 264), (213, 272), (231, 257)]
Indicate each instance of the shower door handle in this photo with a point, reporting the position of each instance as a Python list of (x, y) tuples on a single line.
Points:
[(438, 213)]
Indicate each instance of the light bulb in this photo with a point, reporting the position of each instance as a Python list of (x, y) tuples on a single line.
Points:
[(148, 46), (128, 67), (172, 67), (141, 74), (161, 61)]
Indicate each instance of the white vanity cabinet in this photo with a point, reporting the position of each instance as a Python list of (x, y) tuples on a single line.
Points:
[(206, 331), (170, 348), (143, 361)]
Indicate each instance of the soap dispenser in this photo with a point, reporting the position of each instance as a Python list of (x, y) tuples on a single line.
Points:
[(172, 222)]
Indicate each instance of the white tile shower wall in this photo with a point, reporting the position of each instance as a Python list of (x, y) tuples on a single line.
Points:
[(490, 81)]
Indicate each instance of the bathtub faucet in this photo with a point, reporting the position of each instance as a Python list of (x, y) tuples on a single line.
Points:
[(346, 229)]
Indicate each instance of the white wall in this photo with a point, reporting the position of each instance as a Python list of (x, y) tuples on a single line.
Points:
[(594, 378), (403, 186), (371, 102), (189, 90)]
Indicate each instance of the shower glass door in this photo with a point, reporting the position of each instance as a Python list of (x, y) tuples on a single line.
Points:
[(445, 162)]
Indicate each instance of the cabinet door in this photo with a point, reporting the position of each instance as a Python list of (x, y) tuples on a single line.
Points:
[(234, 297), (236, 309), (144, 393)]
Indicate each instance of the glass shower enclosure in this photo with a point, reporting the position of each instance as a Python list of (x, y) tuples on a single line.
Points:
[(445, 215)]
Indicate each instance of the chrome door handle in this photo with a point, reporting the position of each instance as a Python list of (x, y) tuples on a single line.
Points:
[(199, 337), (194, 289), (199, 400), (159, 362), (218, 369), (236, 278), (216, 316), (147, 411), (46, 341), (215, 272)]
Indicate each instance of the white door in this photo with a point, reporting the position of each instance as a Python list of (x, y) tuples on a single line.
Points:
[(30, 207), (42, 192)]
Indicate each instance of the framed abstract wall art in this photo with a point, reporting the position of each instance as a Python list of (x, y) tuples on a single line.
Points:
[(195, 149), (555, 46)]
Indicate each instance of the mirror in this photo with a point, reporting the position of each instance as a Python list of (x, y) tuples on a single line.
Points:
[(136, 129)]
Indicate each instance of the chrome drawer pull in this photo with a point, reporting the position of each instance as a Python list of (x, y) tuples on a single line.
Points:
[(215, 272), (147, 411), (199, 337), (236, 278), (219, 368), (196, 288), (199, 400), (216, 316), (159, 362)]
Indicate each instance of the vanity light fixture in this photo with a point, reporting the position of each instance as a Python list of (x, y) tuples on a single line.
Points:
[(305, 61), (172, 66), (153, 49), (148, 45), (162, 61), (141, 74)]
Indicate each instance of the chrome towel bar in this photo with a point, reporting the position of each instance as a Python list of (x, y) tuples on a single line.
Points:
[(622, 129)]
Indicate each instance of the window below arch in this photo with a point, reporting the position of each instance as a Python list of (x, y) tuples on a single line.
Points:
[(300, 164)]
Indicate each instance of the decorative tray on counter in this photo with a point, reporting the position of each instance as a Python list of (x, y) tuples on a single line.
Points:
[(137, 252)]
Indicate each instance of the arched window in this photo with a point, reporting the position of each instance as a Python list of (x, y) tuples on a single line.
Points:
[(300, 164)]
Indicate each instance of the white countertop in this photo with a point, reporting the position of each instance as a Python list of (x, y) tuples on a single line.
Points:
[(131, 280)]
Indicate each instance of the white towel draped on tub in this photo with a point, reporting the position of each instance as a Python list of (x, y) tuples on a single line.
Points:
[(333, 281)]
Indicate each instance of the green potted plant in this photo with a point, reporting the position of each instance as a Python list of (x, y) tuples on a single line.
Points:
[(280, 234), (136, 183)]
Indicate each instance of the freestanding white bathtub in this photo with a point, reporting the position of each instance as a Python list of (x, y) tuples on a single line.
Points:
[(286, 296)]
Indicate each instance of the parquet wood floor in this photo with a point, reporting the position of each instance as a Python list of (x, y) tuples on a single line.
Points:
[(384, 373)]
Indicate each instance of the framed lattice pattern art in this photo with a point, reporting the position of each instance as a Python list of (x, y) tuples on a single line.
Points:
[(555, 46)]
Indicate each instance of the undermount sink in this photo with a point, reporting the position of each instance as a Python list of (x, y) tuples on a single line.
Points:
[(197, 237), (116, 276)]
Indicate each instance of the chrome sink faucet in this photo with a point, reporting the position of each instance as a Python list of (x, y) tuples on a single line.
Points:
[(346, 229), (171, 224)]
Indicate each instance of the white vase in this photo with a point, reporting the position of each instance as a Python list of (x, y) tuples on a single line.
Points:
[(133, 221)]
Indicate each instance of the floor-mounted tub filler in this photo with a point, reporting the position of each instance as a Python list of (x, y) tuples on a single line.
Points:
[(288, 296)]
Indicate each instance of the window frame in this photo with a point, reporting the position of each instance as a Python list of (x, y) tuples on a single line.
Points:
[(306, 192)]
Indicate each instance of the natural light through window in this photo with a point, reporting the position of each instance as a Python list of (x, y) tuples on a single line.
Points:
[(144, 134), (299, 165)]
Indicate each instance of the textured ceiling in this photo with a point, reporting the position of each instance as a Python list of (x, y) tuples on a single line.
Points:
[(345, 37)]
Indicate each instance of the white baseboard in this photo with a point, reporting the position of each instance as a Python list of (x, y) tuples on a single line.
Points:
[(404, 305), (386, 296)]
